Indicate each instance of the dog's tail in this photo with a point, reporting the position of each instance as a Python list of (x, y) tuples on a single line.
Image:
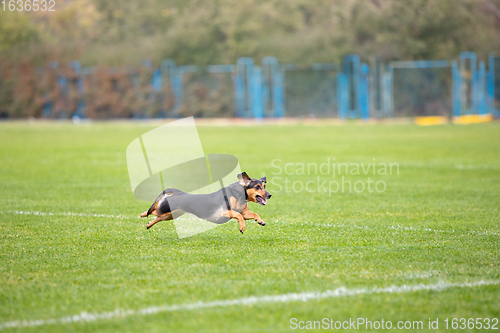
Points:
[(167, 193)]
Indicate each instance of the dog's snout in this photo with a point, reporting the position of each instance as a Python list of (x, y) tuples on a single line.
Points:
[(268, 195)]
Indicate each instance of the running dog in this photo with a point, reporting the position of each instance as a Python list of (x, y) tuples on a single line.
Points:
[(230, 202)]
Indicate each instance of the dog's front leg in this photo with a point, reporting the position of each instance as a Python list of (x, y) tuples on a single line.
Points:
[(248, 215), (235, 215)]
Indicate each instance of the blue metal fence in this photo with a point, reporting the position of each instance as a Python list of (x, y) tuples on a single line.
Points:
[(249, 90), (310, 91), (421, 88)]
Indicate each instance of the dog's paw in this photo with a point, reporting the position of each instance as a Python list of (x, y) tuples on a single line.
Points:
[(262, 223), (242, 228)]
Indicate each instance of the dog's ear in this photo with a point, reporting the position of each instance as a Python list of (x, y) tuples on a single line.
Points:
[(243, 179), (263, 179)]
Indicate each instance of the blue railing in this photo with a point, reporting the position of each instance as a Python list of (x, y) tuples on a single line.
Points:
[(267, 90)]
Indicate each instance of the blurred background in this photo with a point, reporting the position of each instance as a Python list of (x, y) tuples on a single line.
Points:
[(344, 59)]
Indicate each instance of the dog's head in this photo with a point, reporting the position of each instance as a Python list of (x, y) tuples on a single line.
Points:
[(255, 189)]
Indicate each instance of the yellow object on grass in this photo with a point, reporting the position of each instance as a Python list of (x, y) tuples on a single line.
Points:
[(428, 121), (472, 119)]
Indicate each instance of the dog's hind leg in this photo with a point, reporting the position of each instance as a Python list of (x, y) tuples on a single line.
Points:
[(164, 217), (150, 212)]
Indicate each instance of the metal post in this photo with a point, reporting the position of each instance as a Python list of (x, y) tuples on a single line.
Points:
[(365, 95), (457, 88), (352, 84), (471, 56), (270, 85), (491, 84), (342, 95), (156, 80), (257, 93), (244, 69), (481, 88)]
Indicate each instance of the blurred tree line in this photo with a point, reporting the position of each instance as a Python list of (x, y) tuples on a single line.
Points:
[(118, 32)]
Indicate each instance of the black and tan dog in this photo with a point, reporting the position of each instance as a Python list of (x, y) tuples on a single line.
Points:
[(218, 207)]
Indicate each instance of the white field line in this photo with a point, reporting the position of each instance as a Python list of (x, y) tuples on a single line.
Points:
[(21, 212), (284, 298)]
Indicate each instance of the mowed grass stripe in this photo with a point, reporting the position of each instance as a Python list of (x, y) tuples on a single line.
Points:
[(397, 227)]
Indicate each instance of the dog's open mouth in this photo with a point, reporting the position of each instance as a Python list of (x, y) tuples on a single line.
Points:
[(261, 200)]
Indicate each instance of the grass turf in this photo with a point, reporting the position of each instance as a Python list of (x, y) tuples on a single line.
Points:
[(436, 221)]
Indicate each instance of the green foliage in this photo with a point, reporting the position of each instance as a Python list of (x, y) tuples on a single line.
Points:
[(16, 29), (203, 32)]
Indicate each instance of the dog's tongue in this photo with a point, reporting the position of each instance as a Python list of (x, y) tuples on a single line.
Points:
[(261, 200)]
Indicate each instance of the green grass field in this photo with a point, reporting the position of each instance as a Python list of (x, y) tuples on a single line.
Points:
[(436, 224)]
